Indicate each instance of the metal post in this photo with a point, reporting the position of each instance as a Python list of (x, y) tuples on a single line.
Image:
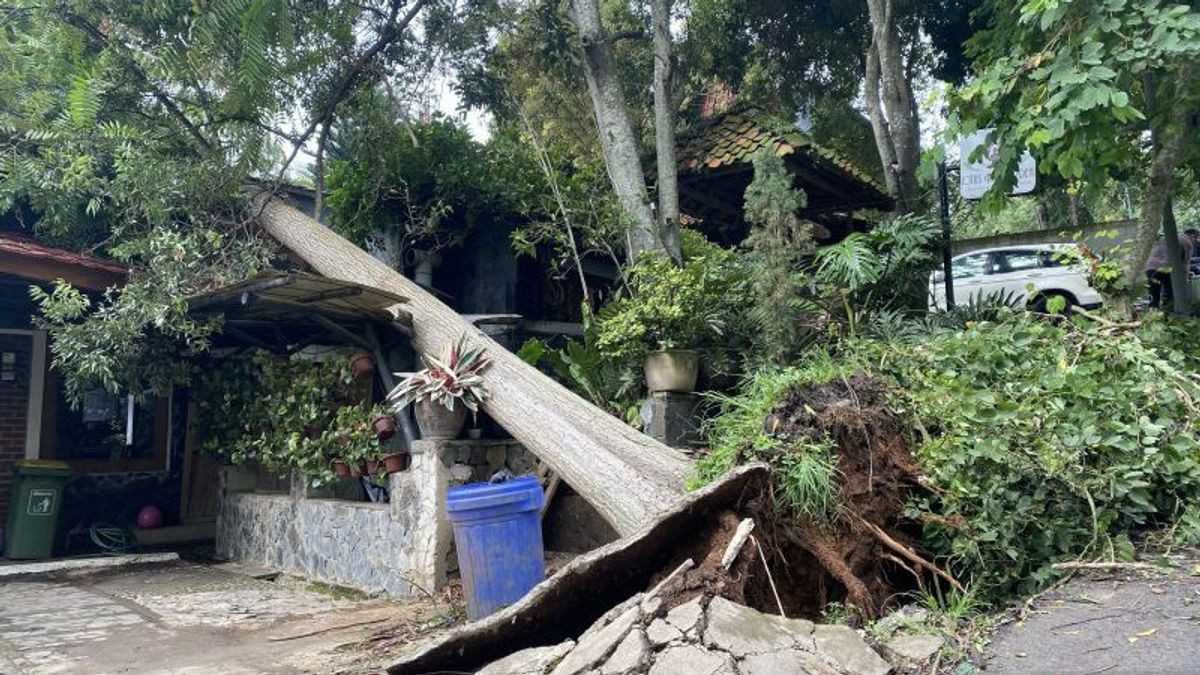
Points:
[(947, 267)]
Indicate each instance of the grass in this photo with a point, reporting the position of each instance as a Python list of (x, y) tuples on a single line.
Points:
[(805, 470)]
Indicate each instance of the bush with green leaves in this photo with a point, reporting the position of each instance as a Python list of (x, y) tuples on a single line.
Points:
[(1040, 441), (610, 384), (668, 306), (285, 414), (1048, 442)]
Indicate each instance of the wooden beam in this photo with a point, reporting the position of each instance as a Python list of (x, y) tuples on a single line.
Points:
[(237, 296), (246, 337), (331, 294), (384, 370), (337, 329)]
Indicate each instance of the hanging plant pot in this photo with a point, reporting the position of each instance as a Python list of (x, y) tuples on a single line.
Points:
[(362, 364), (341, 469), (385, 426), (396, 463), (672, 370), (437, 422)]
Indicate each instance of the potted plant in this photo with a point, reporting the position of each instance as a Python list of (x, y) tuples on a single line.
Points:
[(445, 390), (384, 424), (669, 313), (353, 440), (362, 364)]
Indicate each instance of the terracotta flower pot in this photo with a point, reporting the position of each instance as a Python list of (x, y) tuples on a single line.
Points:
[(385, 427), (356, 470), (672, 370), (396, 463), (373, 466), (362, 364), (439, 423), (341, 469)]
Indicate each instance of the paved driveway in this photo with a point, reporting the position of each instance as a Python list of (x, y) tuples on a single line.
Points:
[(186, 618)]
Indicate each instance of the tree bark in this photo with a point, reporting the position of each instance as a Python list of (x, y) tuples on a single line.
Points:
[(617, 139), (1181, 291), (664, 131), (629, 477), (898, 103), (1169, 139), (879, 125)]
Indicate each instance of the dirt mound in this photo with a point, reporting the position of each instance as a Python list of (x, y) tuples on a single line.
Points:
[(860, 557)]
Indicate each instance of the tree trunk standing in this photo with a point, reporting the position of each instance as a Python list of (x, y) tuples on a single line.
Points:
[(626, 475), (319, 173), (898, 103), (1174, 133), (879, 125), (664, 131), (617, 139), (1180, 288)]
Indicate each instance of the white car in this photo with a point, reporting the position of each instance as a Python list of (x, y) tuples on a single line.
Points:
[(1011, 271)]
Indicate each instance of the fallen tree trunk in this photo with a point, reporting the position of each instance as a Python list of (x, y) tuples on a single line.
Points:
[(627, 476)]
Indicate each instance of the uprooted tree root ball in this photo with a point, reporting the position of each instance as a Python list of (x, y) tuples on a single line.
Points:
[(858, 551)]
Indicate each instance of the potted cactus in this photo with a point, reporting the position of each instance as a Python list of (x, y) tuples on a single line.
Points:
[(445, 390)]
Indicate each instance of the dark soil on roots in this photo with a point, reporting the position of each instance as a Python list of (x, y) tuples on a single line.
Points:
[(863, 557)]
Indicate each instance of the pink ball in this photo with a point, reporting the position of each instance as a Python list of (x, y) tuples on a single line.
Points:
[(149, 518)]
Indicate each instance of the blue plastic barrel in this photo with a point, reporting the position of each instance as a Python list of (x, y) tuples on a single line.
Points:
[(498, 533)]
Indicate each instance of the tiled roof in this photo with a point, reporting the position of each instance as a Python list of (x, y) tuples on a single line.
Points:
[(26, 247), (734, 138)]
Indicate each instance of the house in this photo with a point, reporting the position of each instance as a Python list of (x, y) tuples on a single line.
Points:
[(716, 167), (116, 446)]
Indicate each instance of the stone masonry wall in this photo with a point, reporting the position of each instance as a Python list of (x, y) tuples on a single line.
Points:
[(14, 408), (394, 548)]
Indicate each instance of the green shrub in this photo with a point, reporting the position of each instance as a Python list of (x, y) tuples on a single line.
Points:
[(674, 307), (1039, 442)]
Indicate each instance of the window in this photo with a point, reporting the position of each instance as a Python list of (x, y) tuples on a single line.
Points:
[(970, 266), (1018, 261), (106, 432)]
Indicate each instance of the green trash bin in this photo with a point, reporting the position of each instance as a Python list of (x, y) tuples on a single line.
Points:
[(33, 509)]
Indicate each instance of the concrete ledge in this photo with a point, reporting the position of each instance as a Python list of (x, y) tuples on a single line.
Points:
[(14, 569), (176, 534)]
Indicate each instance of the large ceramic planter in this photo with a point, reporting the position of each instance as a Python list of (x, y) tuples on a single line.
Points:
[(437, 423), (672, 370)]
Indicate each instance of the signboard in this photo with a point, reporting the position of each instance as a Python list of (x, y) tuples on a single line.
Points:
[(977, 176), (41, 502)]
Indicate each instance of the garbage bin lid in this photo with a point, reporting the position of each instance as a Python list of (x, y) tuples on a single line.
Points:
[(45, 467)]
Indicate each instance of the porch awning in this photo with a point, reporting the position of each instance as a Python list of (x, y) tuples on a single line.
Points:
[(277, 310)]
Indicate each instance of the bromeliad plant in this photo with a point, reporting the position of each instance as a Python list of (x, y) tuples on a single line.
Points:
[(454, 378)]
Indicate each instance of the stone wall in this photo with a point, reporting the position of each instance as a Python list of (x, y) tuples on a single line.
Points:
[(403, 547)]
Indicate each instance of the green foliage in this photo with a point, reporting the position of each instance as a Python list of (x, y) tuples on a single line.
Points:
[(1038, 441), (804, 469), (428, 184), (673, 307), (1074, 80), (1046, 442), (608, 383), (285, 414), (779, 242), (566, 202)]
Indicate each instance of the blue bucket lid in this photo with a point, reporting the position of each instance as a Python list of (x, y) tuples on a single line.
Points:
[(516, 495)]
